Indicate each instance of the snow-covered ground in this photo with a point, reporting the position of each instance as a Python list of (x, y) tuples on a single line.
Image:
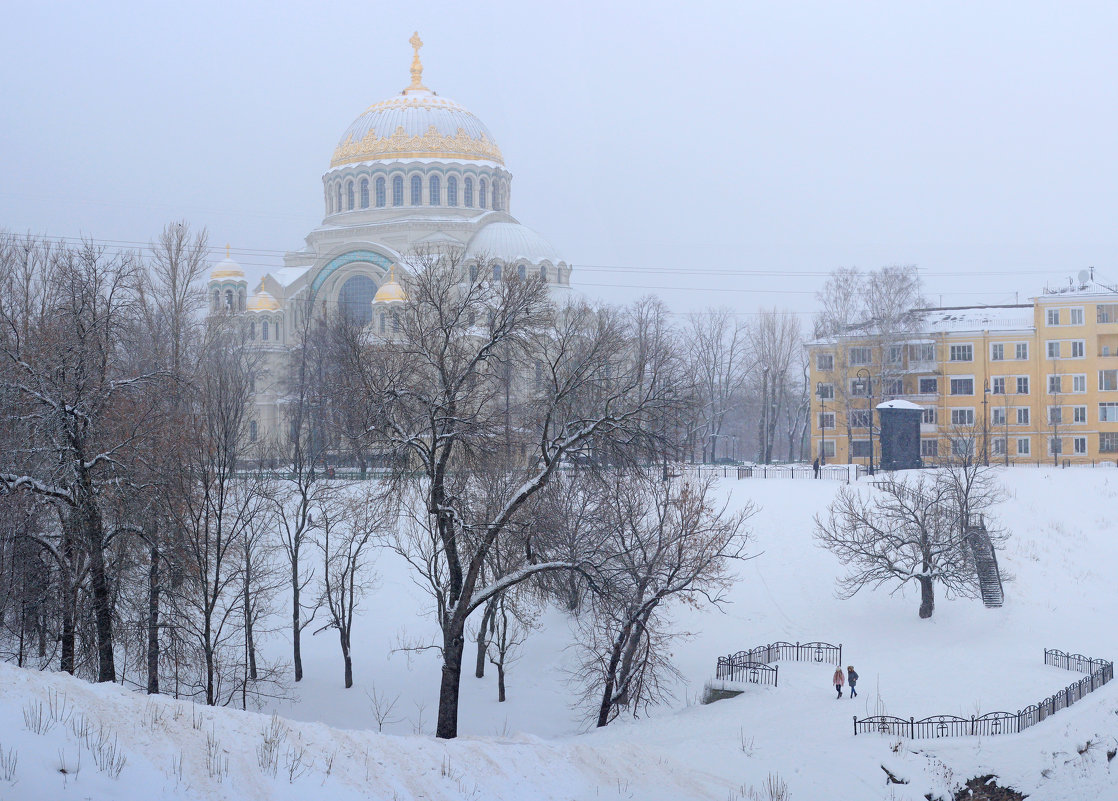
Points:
[(967, 659)]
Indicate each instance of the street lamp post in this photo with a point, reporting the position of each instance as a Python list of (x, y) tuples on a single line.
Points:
[(986, 425), (865, 387), (822, 423)]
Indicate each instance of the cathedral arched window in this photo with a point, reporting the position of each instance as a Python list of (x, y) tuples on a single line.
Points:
[(355, 299), (252, 330), (397, 191), (264, 330), (240, 300), (382, 322), (349, 195), (229, 300), (434, 191), (217, 300), (496, 195), (452, 191), (380, 193), (543, 273), (416, 190), (338, 204), (364, 193), (496, 272), (522, 271), (395, 322), (481, 187), (252, 431), (473, 269), (469, 191)]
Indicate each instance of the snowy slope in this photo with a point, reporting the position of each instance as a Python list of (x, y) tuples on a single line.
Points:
[(966, 659)]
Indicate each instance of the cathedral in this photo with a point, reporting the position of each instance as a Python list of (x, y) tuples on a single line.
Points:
[(414, 171)]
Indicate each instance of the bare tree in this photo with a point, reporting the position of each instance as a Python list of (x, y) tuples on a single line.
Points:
[(661, 541), (774, 339), (433, 391), (346, 529), (719, 363), (909, 532)]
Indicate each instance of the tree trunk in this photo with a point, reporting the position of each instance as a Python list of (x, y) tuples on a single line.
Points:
[(611, 676), (927, 597), (296, 650), (454, 642), (482, 640), (102, 602), (501, 681), (153, 620), (343, 635)]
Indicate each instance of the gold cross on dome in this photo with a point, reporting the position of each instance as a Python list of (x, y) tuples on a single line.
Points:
[(416, 64)]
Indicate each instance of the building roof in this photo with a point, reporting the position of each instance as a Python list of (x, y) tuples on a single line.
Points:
[(511, 242), (977, 318)]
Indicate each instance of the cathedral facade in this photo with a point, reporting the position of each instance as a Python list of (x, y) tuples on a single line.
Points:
[(417, 171)]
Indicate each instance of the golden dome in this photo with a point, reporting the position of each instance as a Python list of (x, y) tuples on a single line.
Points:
[(416, 124), (263, 301), (390, 291), (227, 269)]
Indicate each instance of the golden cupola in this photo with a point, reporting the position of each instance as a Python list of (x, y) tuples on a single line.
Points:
[(390, 291), (227, 269)]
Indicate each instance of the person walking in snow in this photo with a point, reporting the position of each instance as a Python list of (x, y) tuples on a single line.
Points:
[(815, 466), (852, 679), (839, 679)]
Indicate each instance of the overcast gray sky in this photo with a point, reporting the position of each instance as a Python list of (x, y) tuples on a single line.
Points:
[(716, 153)]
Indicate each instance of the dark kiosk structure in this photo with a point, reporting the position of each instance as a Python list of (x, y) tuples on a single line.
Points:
[(900, 434)]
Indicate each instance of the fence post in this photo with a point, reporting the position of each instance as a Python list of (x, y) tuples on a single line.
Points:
[(840, 655), (912, 728), (776, 677), (855, 725), (972, 725)]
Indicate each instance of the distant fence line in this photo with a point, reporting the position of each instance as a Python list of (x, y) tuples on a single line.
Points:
[(753, 665), (1100, 671), (831, 472)]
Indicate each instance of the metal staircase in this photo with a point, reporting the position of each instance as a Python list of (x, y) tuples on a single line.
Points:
[(985, 562)]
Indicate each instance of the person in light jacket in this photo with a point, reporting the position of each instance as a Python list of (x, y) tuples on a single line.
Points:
[(852, 679), (839, 679)]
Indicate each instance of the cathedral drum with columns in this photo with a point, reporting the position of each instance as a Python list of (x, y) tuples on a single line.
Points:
[(417, 171)]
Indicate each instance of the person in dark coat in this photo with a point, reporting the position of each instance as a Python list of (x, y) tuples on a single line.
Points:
[(852, 679), (838, 679), (815, 466)]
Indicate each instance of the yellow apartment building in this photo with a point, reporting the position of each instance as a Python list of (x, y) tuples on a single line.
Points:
[(1034, 382)]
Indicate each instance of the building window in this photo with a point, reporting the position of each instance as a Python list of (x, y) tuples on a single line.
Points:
[(1052, 316), (522, 272), (264, 330), (922, 352), (859, 356), (829, 449), (1075, 316), (349, 195), (543, 273), (997, 416), (452, 191), (496, 272), (891, 387), (999, 447), (929, 447), (962, 446), (1079, 414), (1108, 380), (962, 386), (355, 299), (468, 189), (252, 431), (928, 386), (1052, 348), (826, 391), (1106, 313), (860, 448), (826, 420), (398, 191), (1023, 448), (380, 193), (1055, 415), (1022, 415), (895, 354), (1108, 440), (1022, 385), (859, 418), (229, 300), (824, 361), (929, 416), (1054, 384), (1055, 446), (338, 204), (481, 190), (860, 388), (382, 316), (962, 417), (434, 191), (1078, 348), (1021, 351), (997, 353), (364, 193), (1079, 383), (961, 353), (416, 190), (1108, 412), (998, 386)]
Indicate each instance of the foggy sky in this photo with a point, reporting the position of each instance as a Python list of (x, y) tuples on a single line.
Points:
[(715, 153)]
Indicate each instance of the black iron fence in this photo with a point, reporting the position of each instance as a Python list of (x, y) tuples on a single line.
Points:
[(754, 666), (1099, 672)]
